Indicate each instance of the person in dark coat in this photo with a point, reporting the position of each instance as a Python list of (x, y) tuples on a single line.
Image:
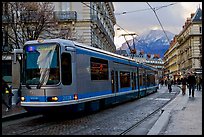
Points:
[(6, 95), (184, 84), (169, 84), (198, 82), (191, 83)]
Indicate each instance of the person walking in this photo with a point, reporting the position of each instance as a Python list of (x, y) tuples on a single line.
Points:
[(162, 81), (169, 84), (191, 83), (198, 83), (165, 82), (184, 84), (6, 95)]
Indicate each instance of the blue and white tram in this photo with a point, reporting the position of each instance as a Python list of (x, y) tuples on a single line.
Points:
[(64, 75)]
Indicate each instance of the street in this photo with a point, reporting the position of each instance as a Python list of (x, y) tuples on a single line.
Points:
[(111, 121)]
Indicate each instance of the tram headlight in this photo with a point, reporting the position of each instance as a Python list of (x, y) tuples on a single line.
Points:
[(52, 98), (22, 98), (75, 97)]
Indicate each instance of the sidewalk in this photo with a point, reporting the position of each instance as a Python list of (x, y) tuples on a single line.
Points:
[(182, 116), (15, 110), (186, 119)]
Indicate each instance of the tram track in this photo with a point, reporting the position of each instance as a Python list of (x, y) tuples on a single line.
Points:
[(128, 130)]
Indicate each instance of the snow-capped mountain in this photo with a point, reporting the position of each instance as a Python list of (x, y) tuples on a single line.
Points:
[(151, 42)]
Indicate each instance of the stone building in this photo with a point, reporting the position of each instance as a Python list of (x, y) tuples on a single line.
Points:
[(91, 23), (190, 45), (185, 52), (171, 59)]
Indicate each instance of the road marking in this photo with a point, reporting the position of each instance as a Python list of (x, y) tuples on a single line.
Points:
[(162, 99)]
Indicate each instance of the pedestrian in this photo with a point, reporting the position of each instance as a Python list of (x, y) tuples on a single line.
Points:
[(198, 83), (184, 84), (179, 81), (169, 84), (6, 95), (191, 83), (162, 82), (165, 82)]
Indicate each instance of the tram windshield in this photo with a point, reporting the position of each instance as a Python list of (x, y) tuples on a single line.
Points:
[(41, 66)]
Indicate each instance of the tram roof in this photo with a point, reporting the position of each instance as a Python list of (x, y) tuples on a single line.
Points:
[(64, 42)]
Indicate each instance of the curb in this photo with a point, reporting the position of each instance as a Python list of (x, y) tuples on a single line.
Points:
[(16, 116), (160, 123), (165, 116)]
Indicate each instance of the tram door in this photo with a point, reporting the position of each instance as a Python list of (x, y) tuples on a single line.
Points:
[(133, 80), (114, 81)]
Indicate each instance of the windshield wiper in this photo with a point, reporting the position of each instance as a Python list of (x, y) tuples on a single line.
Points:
[(39, 85), (43, 78), (27, 86)]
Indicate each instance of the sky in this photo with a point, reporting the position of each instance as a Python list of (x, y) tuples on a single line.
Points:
[(140, 18)]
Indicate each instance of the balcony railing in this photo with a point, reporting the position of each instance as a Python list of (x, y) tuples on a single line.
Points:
[(65, 15), (100, 26), (29, 16), (6, 19)]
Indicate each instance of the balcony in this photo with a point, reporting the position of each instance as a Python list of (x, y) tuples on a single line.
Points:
[(65, 15), (29, 16), (100, 26), (7, 19)]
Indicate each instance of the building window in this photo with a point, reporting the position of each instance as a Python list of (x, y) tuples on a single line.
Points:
[(200, 40), (99, 69), (200, 29)]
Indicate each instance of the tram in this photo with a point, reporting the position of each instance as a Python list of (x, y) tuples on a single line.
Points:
[(66, 76)]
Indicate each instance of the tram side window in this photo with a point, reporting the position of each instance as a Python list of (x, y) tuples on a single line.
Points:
[(124, 79), (99, 69), (152, 79), (66, 69)]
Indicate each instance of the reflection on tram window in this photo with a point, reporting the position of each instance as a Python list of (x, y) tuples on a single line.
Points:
[(124, 79), (141, 72), (99, 69)]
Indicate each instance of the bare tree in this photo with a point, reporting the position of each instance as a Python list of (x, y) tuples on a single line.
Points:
[(22, 21), (25, 21)]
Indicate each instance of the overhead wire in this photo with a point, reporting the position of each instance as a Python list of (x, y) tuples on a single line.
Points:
[(159, 21), (105, 16), (156, 8), (109, 19)]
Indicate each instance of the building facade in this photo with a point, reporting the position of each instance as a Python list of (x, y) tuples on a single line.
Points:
[(190, 45), (171, 59), (185, 52), (91, 23)]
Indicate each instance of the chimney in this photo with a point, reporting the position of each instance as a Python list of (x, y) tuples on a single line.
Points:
[(188, 20), (192, 14)]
